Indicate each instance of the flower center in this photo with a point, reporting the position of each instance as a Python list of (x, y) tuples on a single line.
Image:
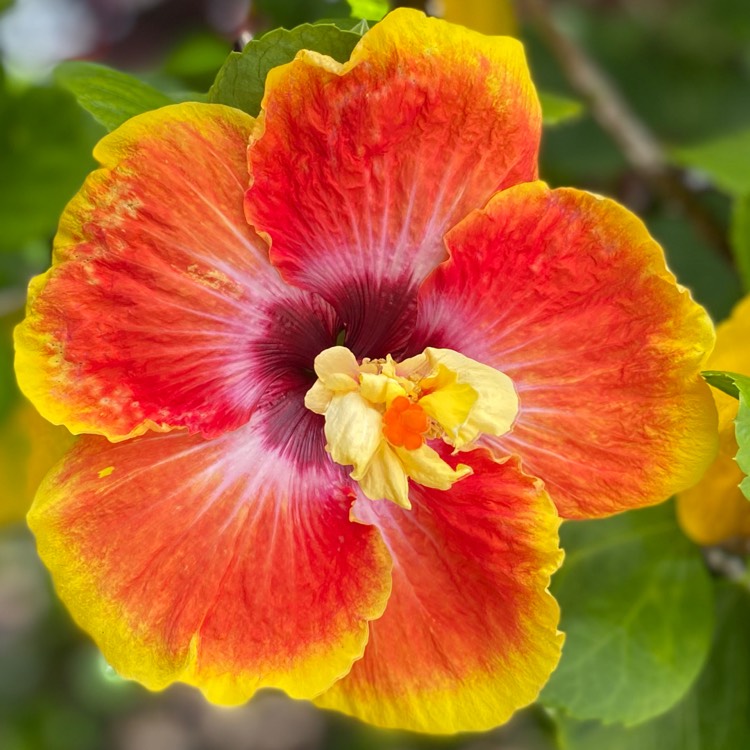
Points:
[(381, 415), (405, 423)]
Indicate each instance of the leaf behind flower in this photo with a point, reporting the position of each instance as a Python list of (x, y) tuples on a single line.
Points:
[(738, 386), (241, 81), (110, 96), (637, 612)]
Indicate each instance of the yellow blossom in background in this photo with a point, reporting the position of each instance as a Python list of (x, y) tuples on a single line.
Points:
[(29, 447), (29, 444), (487, 16), (715, 509)]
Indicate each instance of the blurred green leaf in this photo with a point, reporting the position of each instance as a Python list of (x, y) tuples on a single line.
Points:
[(684, 91), (737, 385), (45, 152), (740, 236), (371, 10), (196, 59), (188, 96), (710, 277), (9, 393), (636, 605), (712, 716), (530, 729), (725, 160), (581, 154), (5, 4), (110, 96), (557, 108), (241, 81), (291, 13), (709, 31)]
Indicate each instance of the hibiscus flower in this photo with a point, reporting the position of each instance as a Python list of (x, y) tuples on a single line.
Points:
[(328, 382)]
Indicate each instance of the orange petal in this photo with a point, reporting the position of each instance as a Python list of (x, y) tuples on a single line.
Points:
[(359, 169), (470, 631), (715, 510), (161, 307), (567, 294), (216, 563)]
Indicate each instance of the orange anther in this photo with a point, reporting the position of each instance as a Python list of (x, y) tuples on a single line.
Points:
[(415, 420), (405, 423), (400, 403)]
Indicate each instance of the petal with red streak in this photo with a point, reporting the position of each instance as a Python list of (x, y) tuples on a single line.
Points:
[(161, 307), (359, 169), (566, 293), (218, 563), (470, 631)]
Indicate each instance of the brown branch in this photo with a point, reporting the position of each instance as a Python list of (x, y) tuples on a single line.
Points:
[(640, 147), (728, 561)]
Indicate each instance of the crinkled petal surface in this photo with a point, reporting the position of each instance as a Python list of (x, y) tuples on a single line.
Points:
[(715, 509), (359, 169), (218, 563), (470, 631), (425, 466), (567, 294), (385, 478), (493, 409), (354, 431), (161, 308)]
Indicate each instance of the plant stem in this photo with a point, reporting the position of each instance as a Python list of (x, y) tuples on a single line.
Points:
[(639, 145)]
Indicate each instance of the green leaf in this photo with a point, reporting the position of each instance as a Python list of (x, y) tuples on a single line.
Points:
[(356, 26), (710, 277), (724, 381), (110, 96), (372, 10), (636, 605), (742, 431), (713, 715), (241, 81), (734, 384), (557, 109), (725, 160), (196, 59), (361, 27), (45, 152), (739, 234)]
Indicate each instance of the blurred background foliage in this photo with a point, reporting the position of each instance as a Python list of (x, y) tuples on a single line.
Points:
[(658, 652)]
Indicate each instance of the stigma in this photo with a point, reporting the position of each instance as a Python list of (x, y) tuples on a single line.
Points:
[(405, 424), (381, 416)]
